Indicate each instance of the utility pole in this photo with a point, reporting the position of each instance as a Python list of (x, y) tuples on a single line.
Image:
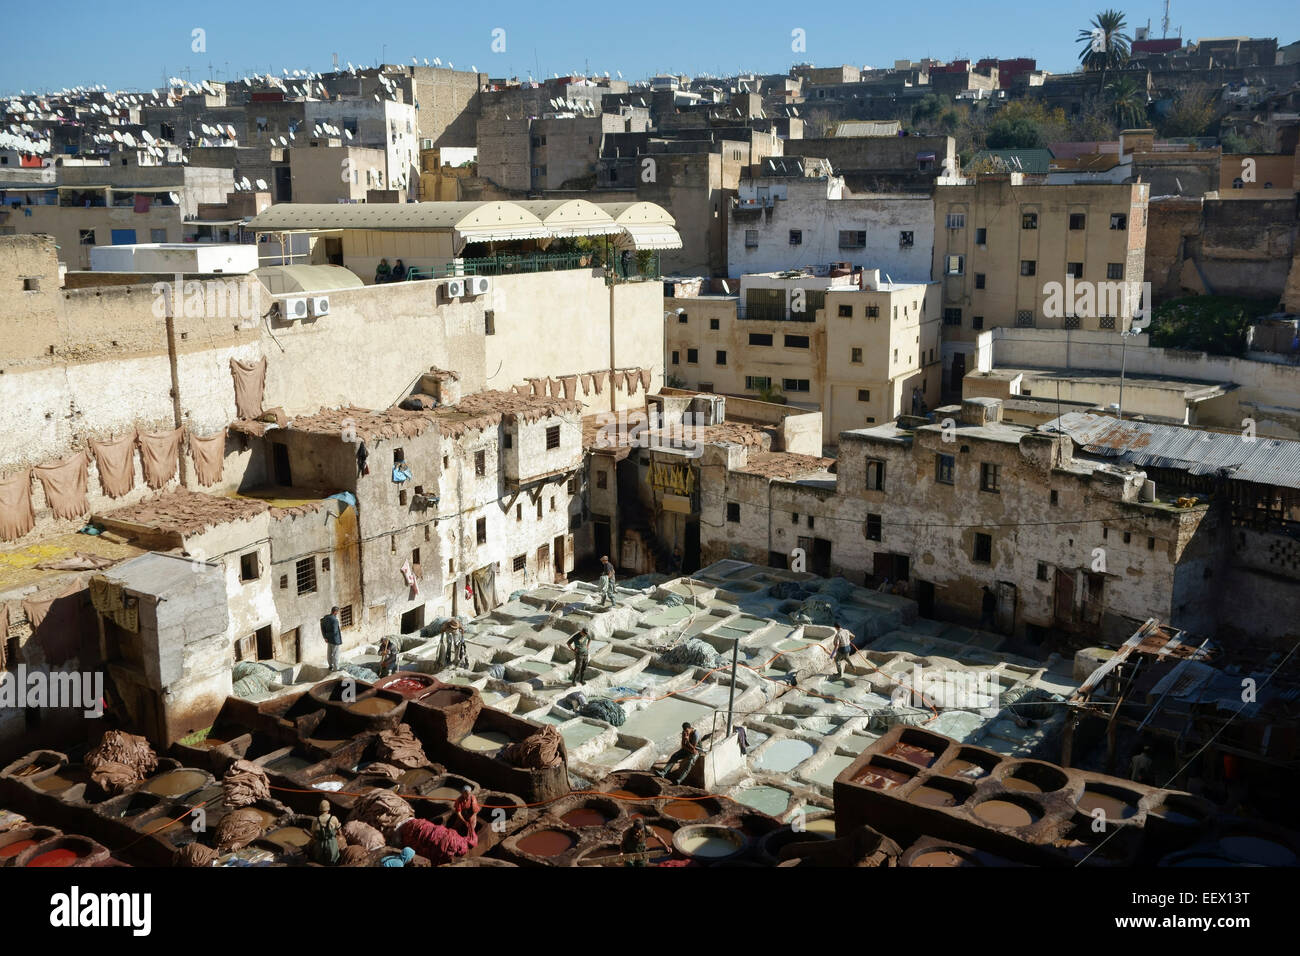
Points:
[(731, 698)]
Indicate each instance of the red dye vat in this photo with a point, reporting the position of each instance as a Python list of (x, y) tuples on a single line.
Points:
[(13, 849), (60, 857), (406, 685), (685, 810), (546, 843), (912, 754), (585, 817)]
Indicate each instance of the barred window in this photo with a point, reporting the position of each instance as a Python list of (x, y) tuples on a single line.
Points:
[(305, 572), (1024, 319), (1106, 322), (1073, 322)]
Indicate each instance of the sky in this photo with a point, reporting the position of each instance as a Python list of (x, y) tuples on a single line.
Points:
[(137, 44)]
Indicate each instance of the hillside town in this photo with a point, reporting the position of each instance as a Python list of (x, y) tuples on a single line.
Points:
[(887, 466)]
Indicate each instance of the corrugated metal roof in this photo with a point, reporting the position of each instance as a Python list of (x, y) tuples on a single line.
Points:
[(855, 128), (1267, 461)]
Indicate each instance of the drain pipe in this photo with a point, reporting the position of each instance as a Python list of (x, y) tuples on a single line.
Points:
[(731, 699)]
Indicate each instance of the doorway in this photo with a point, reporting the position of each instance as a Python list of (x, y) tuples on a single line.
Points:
[(559, 557), (958, 372), (925, 598), (280, 464), (265, 652), (818, 551)]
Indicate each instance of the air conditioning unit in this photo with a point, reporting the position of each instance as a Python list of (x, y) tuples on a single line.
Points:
[(293, 308), (478, 285), (320, 305), (454, 289)]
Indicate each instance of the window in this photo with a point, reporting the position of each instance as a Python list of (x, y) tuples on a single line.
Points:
[(875, 475), (853, 239), (1028, 267), (954, 265), (415, 561), (873, 527), (507, 440), (157, 235), (794, 517), (677, 358), (794, 385), (989, 477), (713, 325), (519, 563), (552, 502), (30, 284), (864, 394), (692, 356), (345, 616), (944, 466), (305, 572), (873, 311), (796, 237), (810, 521), (760, 338), (952, 316), (1042, 571), (1114, 270), (720, 357), (757, 383), (844, 311), (1077, 221), (905, 240), (981, 236), (552, 437), (86, 237), (796, 341), (480, 530), (1074, 270), (602, 479), (983, 553), (519, 512), (1029, 220), (401, 497), (248, 567), (1238, 183), (572, 486), (1024, 319), (1072, 322), (855, 356), (733, 511), (979, 280), (480, 463), (575, 522), (1128, 536), (1151, 544), (489, 322), (1054, 498), (956, 220), (1118, 220), (977, 322), (1106, 322), (682, 318), (751, 238)]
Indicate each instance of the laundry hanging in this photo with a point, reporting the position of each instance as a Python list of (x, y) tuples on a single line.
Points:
[(250, 383), (598, 380), (114, 460), (586, 384), (633, 379), (645, 379), (570, 383), (209, 456), (160, 453), (64, 483), (17, 516)]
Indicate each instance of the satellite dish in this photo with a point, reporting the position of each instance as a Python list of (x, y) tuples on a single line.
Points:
[(376, 97), (473, 68), (284, 141), (174, 197), (437, 61), (231, 130), (261, 184), (128, 139), (347, 133), (245, 183), (117, 137)]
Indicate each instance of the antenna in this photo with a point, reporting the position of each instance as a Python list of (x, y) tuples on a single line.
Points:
[(1164, 22)]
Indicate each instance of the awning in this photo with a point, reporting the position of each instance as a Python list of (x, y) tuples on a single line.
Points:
[(643, 237), (923, 157)]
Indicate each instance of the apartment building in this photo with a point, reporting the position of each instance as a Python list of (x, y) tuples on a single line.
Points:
[(1004, 252)]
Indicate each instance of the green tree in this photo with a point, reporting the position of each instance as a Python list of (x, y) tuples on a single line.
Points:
[(1128, 102), (1104, 43), (1190, 114), (1215, 324)]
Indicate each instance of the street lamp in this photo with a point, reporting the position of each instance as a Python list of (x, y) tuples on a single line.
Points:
[(1123, 345)]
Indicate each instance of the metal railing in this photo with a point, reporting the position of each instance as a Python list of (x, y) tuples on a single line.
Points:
[(505, 265)]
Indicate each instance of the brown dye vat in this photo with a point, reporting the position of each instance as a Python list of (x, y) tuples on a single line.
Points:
[(209, 743), (686, 810), (965, 768), (266, 816), (1113, 807), (913, 754), (1004, 813), (625, 795), (880, 778), (444, 793), (546, 843), (289, 837), (932, 797), (653, 850), (13, 849), (1021, 784), (371, 706), (176, 783), (414, 778), (585, 817), (939, 858), (446, 697), (53, 783)]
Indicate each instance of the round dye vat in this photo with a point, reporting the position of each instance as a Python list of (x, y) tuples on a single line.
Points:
[(585, 817), (406, 685), (965, 768), (266, 816), (485, 741), (289, 837), (59, 857), (1113, 807), (912, 754), (176, 783), (13, 849), (1021, 784), (824, 825), (413, 778), (783, 755), (933, 797), (444, 793), (546, 843), (1258, 850), (1004, 813), (708, 846), (625, 795), (53, 783), (372, 706), (770, 800), (209, 743), (939, 858), (686, 810)]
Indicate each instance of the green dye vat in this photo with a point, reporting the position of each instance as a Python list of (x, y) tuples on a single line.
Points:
[(575, 735), (611, 756), (537, 667), (831, 768), (784, 755), (770, 800), (666, 616)]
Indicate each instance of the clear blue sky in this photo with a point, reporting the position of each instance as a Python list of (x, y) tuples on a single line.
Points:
[(135, 44)]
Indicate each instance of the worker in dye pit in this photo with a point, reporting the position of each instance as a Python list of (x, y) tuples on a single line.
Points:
[(687, 753), (579, 644), (605, 566), (634, 845), (323, 847), (387, 656), (1140, 767), (843, 648), (333, 634), (466, 810), (607, 587), (675, 562), (988, 608), (453, 637)]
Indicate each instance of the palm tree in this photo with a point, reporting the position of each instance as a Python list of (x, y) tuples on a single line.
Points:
[(1128, 102), (1105, 44)]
